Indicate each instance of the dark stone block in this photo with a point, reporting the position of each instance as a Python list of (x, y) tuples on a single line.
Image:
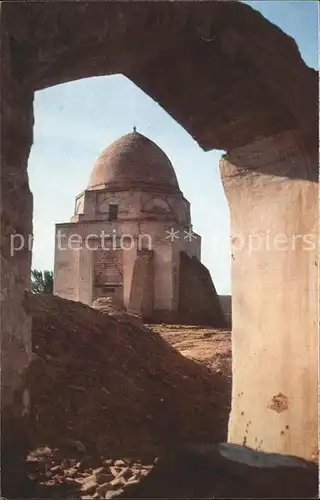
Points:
[(227, 471)]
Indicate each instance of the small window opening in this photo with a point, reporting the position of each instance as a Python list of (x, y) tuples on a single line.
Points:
[(113, 212)]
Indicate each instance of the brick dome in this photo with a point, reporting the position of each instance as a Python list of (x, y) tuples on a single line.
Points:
[(133, 161)]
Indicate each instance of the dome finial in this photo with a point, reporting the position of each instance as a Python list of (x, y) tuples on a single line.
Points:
[(134, 128)]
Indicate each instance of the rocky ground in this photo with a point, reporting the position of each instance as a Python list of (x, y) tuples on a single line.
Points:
[(59, 476)]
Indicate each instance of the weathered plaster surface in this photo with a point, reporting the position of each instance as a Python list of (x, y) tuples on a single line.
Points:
[(274, 236)]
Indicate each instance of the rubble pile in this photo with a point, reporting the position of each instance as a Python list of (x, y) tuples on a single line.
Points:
[(115, 388), (85, 477)]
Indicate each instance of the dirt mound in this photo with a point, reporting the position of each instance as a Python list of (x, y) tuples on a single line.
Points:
[(113, 387)]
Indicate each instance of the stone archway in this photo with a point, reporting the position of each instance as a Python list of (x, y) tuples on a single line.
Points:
[(246, 91)]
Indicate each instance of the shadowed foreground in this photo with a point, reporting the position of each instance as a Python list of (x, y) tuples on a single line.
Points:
[(227, 471), (115, 386)]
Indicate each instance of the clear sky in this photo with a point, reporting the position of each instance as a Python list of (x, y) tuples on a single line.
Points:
[(75, 121)]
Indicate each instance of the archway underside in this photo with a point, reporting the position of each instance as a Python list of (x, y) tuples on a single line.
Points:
[(225, 88)]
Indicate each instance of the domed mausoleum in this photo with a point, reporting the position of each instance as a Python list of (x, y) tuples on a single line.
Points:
[(131, 237)]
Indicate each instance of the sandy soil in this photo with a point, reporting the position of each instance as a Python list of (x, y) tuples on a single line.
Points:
[(206, 345)]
